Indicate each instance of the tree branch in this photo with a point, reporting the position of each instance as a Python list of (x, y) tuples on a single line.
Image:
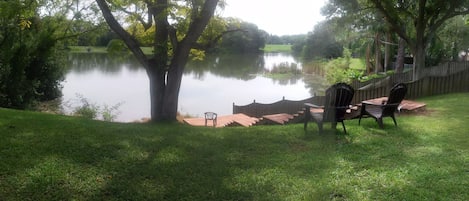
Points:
[(393, 21), (200, 21), (130, 41), (77, 34), (146, 24)]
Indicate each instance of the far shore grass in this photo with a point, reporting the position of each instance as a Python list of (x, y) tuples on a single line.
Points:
[(148, 50), (54, 157), (277, 48)]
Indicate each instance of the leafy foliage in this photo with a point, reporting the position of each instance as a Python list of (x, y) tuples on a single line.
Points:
[(117, 46), (424, 29), (89, 110), (248, 38), (30, 64), (339, 69), (322, 43)]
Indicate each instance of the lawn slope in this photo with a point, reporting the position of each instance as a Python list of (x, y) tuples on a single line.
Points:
[(51, 157)]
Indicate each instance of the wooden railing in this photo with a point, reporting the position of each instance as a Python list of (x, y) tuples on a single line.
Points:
[(451, 78), (284, 106)]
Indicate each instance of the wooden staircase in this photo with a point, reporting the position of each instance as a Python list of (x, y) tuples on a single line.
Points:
[(241, 119)]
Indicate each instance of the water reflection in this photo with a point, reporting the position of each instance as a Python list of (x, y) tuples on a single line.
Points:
[(210, 85), (105, 63), (242, 67)]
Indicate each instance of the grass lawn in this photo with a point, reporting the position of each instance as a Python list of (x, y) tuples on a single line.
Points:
[(96, 49), (149, 50), (87, 49), (277, 48), (50, 157)]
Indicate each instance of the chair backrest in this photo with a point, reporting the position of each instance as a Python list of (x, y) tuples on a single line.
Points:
[(337, 101), (396, 95), (210, 115)]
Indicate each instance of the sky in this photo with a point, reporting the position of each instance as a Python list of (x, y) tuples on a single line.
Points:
[(277, 17)]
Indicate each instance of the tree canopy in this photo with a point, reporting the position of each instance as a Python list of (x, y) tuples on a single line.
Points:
[(415, 22)]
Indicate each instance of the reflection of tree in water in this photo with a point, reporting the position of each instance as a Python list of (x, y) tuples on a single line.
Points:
[(243, 67), (247, 67), (107, 63), (316, 84), (289, 80)]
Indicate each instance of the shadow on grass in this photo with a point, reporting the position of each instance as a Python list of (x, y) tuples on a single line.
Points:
[(400, 163), (85, 160), (62, 158)]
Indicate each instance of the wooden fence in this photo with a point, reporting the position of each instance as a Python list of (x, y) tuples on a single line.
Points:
[(449, 78), (441, 70)]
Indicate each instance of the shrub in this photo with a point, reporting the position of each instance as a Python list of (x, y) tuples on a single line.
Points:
[(117, 46), (31, 67), (89, 110), (285, 68)]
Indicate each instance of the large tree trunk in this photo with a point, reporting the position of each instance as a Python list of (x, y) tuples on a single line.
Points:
[(181, 51), (156, 77), (368, 59), (419, 60), (420, 41), (164, 91), (173, 86), (378, 64), (387, 52), (400, 56)]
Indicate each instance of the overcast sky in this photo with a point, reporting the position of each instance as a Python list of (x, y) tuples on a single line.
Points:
[(278, 17)]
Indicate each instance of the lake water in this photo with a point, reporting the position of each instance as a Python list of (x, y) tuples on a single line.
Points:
[(210, 85)]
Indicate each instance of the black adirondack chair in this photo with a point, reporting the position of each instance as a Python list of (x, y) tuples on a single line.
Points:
[(337, 102), (386, 108)]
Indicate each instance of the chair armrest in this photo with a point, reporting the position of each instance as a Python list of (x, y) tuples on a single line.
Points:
[(396, 105), (370, 103), (345, 107), (313, 105)]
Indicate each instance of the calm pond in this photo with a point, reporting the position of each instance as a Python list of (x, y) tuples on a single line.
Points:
[(210, 85)]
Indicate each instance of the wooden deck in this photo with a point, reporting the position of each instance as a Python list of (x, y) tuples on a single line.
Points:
[(283, 118), (278, 118), (223, 121), (406, 105)]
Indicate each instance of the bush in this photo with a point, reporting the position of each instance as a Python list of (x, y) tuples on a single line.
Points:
[(89, 110), (117, 46), (30, 64), (286, 68), (338, 70)]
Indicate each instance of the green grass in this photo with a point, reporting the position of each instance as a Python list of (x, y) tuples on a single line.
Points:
[(87, 49), (95, 49), (149, 50), (50, 157), (277, 48)]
